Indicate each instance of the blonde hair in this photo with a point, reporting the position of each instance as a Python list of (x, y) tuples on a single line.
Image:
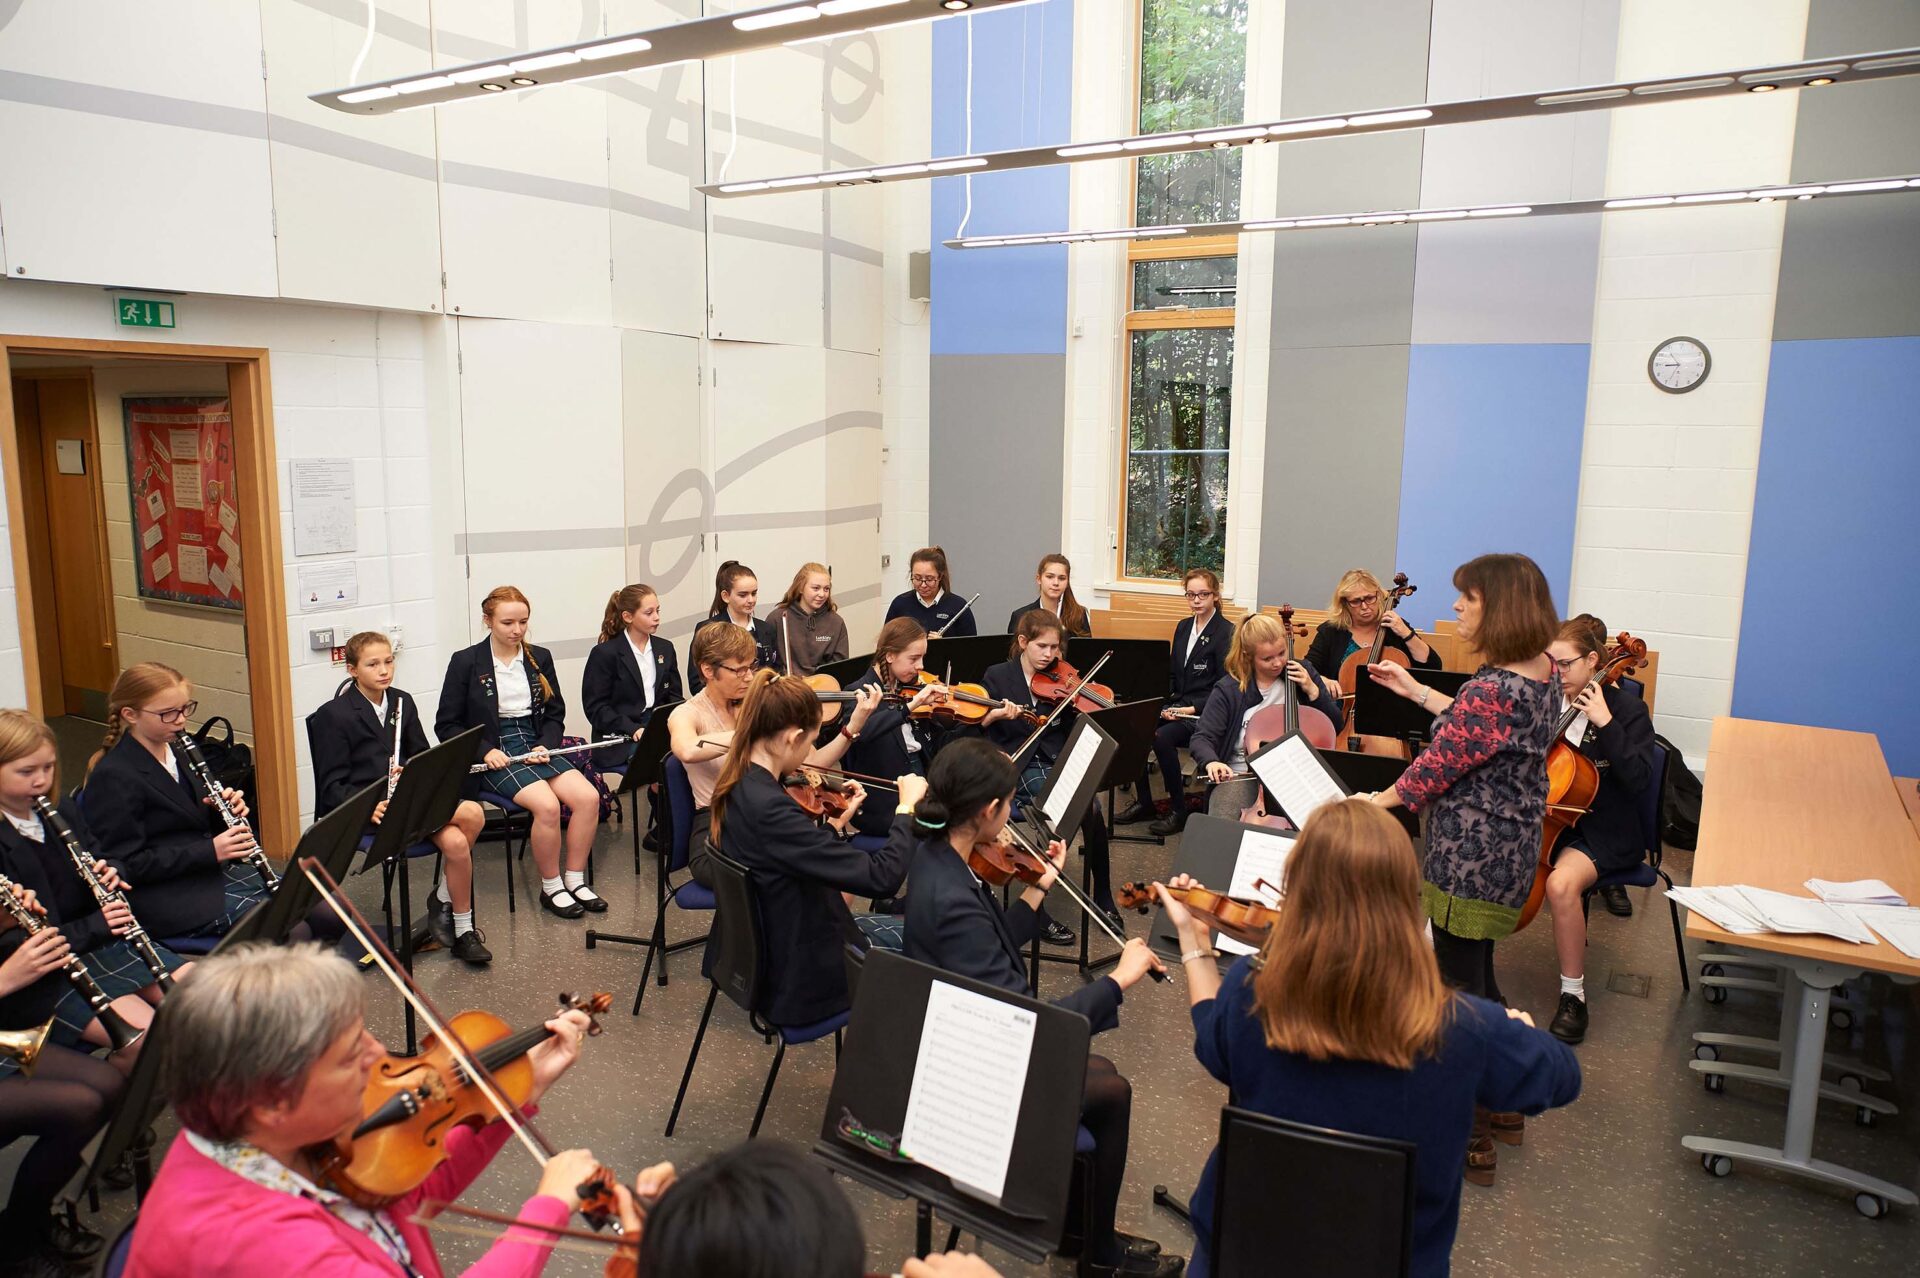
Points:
[(511, 594), (1261, 627), (138, 684), (775, 703), (21, 734), (1346, 972), (721, 641), (791, 600), (621, 602), (1354, 578), (1072, 615)]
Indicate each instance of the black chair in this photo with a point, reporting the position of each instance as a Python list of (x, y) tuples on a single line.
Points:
[(1648, 872), (1630, 684), (1275, 1182), (675, 852), (736, 950)]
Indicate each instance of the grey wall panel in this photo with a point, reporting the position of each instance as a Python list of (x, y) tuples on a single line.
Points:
[(1524, 280), (1346, 288), (994, 503), (1353, 55), (1852, 268), (1332, 488)]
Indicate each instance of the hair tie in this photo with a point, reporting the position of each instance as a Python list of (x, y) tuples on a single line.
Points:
[(930, 825)]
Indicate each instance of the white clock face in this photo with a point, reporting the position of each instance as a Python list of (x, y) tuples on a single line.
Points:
[(1678, 364)]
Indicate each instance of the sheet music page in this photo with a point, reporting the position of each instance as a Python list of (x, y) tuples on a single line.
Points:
[(967, 1084), (1068, 775), (1263, 857), (1297, 779)]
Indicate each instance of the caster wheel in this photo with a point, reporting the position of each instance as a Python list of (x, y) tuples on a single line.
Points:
[(1850, 1083), (1863, 1117), (1841, 1019), (1713, 993), (1721, 1165), (1715, 1083), (1872, 1206), (1712, 969), (1706, 1052)]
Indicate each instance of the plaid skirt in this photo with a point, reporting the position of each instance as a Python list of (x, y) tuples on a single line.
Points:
[(118, 970), (517, 736), (241, 891)]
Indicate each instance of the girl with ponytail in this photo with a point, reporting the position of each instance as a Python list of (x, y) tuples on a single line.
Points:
[(736, 592), (800, 868), (954, 921), (630, 672)]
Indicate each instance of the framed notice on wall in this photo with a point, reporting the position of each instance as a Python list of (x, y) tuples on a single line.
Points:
[(186, 526)]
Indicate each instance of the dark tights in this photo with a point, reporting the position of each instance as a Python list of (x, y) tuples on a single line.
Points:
[(1168, 738), (68, 1099), (1466, 964), (1107, 1112), (1093, 836)]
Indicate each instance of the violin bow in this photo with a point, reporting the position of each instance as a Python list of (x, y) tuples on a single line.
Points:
[(1058, 710), (356, 924), (1080, 899)]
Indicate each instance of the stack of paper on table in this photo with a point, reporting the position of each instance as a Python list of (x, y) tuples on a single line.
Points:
[(1898, 925), (1748, 910), (1858, 892)]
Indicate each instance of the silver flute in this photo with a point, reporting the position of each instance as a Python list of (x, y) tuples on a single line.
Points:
[(393, 764), (121, 1034), (557, 752), (189, 754), (136, 936)]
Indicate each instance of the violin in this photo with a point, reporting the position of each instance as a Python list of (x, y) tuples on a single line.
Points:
[(1355, 666), (1572, 778), (965, 703), (1059, 679), (827, 688), (1284, 719), (1247, 922), (823, 795), (997, 864)]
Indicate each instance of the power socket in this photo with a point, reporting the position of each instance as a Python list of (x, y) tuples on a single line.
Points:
[(319, 640)]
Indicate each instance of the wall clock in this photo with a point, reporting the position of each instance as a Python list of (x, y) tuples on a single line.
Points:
[(1679, 364)]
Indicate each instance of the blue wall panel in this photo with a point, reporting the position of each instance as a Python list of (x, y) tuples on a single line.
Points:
[(1002, 301), (1833, 529), (1491, 463)]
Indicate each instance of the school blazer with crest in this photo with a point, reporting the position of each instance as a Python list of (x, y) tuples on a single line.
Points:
[(46, 869), (1190, 679), (351, 749), (158, 832), (468, 697), (615, 696)]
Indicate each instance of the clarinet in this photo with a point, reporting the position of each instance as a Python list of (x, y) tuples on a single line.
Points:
[(189, 754), (136, 935), (118, 1031)]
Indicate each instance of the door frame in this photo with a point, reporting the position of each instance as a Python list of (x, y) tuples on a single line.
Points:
[(262, 574)]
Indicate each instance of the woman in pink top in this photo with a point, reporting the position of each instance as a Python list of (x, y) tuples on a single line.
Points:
[(267, 1055)]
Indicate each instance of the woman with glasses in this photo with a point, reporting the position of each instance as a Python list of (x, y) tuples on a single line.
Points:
[(154, 824), (1358, 618), (1194, 664), (932, 602)]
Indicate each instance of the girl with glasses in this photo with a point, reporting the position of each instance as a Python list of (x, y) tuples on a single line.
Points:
[(1195, 663), (932, 602)]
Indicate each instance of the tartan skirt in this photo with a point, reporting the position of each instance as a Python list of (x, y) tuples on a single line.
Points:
[(517, 736), (118, 970), (241, 891)]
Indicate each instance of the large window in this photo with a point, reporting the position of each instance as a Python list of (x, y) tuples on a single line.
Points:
[(1179, 327)]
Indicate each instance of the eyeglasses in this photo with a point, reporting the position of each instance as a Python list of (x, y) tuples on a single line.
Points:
[(736, 670), (1568, 664), (924, 579), (177, 714), (1199, 594), (1361, 601)]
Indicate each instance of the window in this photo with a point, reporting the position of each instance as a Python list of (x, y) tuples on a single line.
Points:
[(1179, 326)]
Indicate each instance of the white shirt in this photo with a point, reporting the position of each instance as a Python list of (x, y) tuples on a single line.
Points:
[(511, 686), (171, 762), (29, 827), (1239, 760), (643, 653), (379, 708), (1193, 640)]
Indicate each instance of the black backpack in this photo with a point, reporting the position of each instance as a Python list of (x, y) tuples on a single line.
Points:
[(1680, 804), (229, 760)]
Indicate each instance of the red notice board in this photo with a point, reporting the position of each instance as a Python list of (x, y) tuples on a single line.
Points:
[(186, 527)]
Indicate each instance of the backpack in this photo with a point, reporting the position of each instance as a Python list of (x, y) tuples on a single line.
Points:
[(1680, 803), (230, 761), (610, 809)]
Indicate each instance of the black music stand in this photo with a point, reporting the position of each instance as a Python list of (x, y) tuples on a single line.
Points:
[(873, 1085), (644, 768), (844, 672), (1132, 724), (1071, 807), (967, 655), (1137, 668), (1378, 711), (1370, 774), (332, 840), (428, 792)]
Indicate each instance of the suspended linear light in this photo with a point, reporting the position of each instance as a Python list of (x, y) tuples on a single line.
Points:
[(1848, 69), (1397, 217)]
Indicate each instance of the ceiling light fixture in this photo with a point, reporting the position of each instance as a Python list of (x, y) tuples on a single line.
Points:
[(717, 36), (1793, 75), (1395, 217)]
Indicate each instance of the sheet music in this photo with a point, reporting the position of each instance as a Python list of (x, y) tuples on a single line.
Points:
[(1263, 857), (1297, 779), (967, 1085), (1898, 925), (1068, 774)]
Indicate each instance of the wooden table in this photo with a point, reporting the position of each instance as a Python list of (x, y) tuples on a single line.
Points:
[(1783, 804)]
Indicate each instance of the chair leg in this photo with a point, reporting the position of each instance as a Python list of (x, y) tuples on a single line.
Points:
[(635, 796), (660, 911), (953, 1238), (656, 944), (1679, 943), (1083, 1174), (766, 1092), (693, 1056), (507, 831)]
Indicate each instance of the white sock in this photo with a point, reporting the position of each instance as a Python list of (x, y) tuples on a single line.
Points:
[(551, 886), (440, 893), (577, 884), (462, 923), (1574, 985)]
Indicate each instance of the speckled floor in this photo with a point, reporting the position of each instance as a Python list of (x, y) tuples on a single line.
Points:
[(1600, 1188)]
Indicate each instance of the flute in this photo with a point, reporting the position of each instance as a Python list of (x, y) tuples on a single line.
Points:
[(941, 633), (393, 765), (189, 753), (136, 936), (556, 753), (118, 1031)]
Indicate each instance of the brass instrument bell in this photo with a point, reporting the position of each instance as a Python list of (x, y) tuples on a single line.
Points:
[(23, 1046)]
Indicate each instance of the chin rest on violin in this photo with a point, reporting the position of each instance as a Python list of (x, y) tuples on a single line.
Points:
[(1247, 922)]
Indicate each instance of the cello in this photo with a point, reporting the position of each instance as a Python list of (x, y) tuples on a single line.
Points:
[(1353, 667), (1284, 719), (1572, 779)]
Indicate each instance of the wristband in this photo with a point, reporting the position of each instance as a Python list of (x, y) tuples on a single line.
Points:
[(1424, 694), (848, 733), (1191, 955)]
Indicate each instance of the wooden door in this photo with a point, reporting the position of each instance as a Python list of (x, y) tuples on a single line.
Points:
[(76, 542)]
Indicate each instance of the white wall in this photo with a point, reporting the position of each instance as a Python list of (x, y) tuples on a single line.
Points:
[(905, 410), (1666, 481)]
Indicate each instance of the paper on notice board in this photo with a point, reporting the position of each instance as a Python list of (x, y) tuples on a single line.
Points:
[(156, 504), (330, 585), (186, 485), (1070, 773), (151, 537), (323, 522), (1297, 779), (229, 518), (193, 565), (220, 579), (967, 1085), (1258, 871), (161, 567)]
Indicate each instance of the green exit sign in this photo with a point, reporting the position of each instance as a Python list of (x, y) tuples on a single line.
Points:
[(137, 312)]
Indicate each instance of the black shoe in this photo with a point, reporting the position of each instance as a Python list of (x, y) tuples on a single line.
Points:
[(1158, 1265), (589, 899), (1133, 814), (435, 928), (72, 1242), (650, 841), (1617, 902), (1172, 823), (471, 947), (1570, 1022), (1054, 932), (1114, 919), (571, 910), (1137, 1246), (119, 1176)]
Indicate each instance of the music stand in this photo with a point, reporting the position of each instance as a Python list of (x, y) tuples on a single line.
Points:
[(1370, 774), (1378, 711), (1298, 763), (874, 1081), (1132, 724), (844, 672), (332, 840), (1210, 851), (643, 768), (967, 655), (423, 801), (1137, 668), (1089, 750)]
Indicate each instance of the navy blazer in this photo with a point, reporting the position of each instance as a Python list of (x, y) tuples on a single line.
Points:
[(351, 748), (1191, 678), (945, 616), (955, 922), (468, 697), (1622, 751), (1214, 738), (46, 869), (1008, 682), (766, 650), (158, 832), (800, 868), (615, 696), (1013, 620), (881, 751)]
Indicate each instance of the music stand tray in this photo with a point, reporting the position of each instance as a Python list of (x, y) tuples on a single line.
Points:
[(1209, 850), (641, 767), (332, 840), (1131, 724), (1370, 774), (1378, 711)]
